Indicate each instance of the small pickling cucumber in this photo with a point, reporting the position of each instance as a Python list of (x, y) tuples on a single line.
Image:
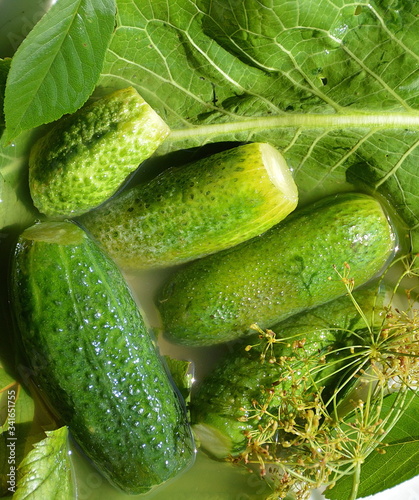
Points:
[(286, 270), (222, 407), (94, 360), (198, 209), (86, 156)]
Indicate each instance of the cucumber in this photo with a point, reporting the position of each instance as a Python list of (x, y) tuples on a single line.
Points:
[(86, 156), (198, 209), (93, 359), (227, 394), (284, 271)]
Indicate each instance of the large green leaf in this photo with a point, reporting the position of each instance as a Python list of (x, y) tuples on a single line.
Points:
[(56, 67), (402, 452), (332, 83)]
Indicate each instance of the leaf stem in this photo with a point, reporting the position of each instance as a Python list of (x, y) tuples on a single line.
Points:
[(303, 120), (356, 481)]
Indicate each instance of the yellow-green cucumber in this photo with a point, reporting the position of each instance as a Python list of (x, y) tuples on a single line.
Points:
[(93, 359), (195, 210), (286, 270), (86, 156), (224, 402)]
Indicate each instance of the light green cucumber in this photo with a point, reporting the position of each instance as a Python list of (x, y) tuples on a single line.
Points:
[(86, 156), (198, 209), (226, 396), (286, 270), (93, 359)]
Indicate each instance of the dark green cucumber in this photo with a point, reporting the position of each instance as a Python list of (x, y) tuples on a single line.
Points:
[(94, 360), (195, 210), (286, 270), (86, 156), (228, 393)]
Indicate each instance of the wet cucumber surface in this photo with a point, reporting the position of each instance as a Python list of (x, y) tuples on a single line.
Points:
[(241, 377), (85, 157), (94, 360), (286, 270), (196, 209)]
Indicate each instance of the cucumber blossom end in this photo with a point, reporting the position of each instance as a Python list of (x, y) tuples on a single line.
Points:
[(55, 232)]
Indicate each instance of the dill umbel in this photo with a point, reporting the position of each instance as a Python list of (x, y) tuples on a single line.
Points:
[(318, 434)]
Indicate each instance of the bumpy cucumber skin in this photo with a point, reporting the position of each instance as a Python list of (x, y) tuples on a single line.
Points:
[(191, 211), (85, 158), (226, 395), (94, 360), (284, 271)]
